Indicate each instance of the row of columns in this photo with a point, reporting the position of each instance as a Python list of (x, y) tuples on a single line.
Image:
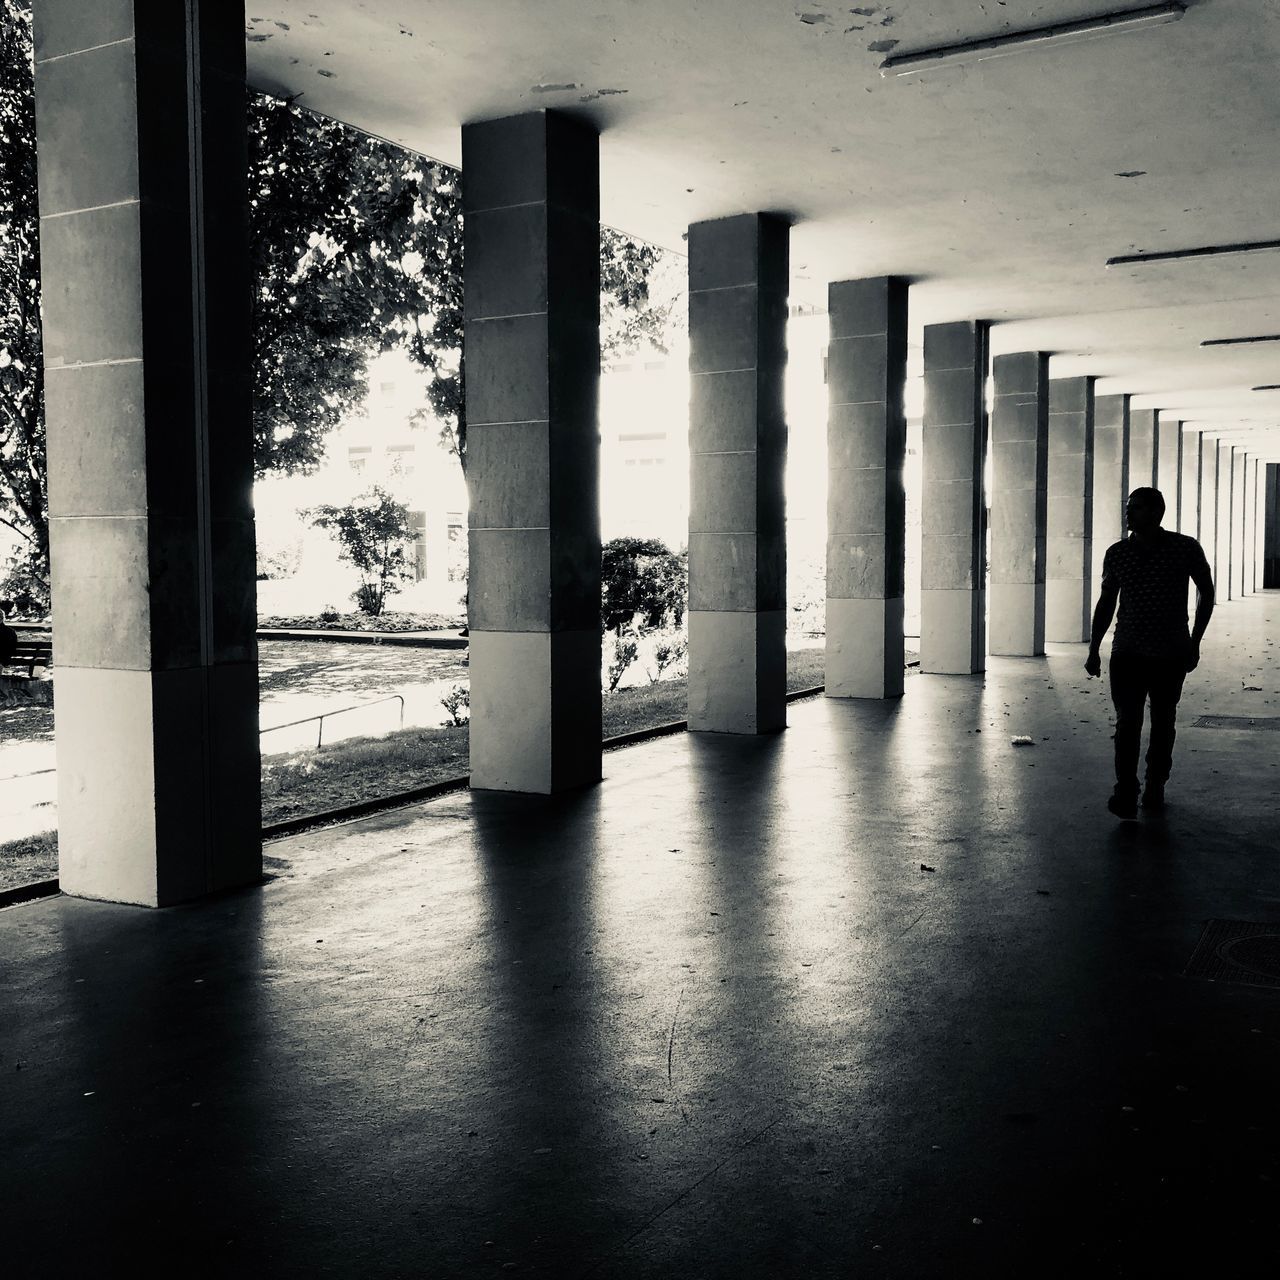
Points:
[(144, 216)]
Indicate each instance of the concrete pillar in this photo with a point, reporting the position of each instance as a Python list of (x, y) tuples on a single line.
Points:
[(1209, 508), (1189, 486), (531, 201), (953, 551), (1259, 522), (866, 505), (738, 282), (1239, 465), (1222, 524), (1169, 469), (1248, 480), (1110, 475), (1142, 449), (1020, 468), (1069, 517), (1271, 526), (146, 287)]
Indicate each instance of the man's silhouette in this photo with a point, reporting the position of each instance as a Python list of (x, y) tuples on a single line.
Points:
[(1152, 651)]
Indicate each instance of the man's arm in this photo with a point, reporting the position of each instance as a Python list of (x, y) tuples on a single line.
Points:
[(1203, 578), (1104, 611)]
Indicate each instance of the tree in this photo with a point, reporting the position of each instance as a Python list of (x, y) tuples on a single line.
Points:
[(644, 587), (23, 495), (372, 532), (642, 582)]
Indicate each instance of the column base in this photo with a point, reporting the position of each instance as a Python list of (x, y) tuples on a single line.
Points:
[(158, 783), (737, 671), (1067, 611), (865, 651), (1016, 624), (953, 632), (535, 710)]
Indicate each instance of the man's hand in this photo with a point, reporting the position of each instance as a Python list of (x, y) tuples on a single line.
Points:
[(1193, 656), (1093, 663)]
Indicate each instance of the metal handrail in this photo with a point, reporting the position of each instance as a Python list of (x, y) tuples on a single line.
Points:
[(359, 706)]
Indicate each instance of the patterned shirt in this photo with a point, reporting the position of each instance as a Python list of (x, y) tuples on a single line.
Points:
[(1153, 581)]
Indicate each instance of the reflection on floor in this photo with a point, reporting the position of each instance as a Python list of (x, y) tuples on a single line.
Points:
[(883, 995)]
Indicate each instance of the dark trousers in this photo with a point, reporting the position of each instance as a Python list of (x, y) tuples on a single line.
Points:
[(1134, 679)]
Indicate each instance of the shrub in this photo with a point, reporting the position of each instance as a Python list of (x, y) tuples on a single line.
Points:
[(642, 583), (625, 649), (668, 652), (457, 702)]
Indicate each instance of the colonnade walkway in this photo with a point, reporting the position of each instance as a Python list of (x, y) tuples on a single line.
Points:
[(712, 1018)]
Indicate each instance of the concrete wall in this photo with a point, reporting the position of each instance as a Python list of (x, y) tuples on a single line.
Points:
[(1069, 582)]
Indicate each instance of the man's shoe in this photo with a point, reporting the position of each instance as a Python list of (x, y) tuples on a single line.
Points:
[(1153, 796), (1123, 805)]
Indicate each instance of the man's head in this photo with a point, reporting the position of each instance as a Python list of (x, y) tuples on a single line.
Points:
[(1144, 510)]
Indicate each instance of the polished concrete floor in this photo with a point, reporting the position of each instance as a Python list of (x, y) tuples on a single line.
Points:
[(883, 996)]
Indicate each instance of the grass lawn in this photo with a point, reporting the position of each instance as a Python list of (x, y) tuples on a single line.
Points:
[(309, 782), (28, 860)]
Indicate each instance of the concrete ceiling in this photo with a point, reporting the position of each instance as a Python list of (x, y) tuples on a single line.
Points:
[(1000, 188)]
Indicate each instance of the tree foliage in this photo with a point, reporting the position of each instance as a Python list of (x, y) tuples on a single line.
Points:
[(372, 532), (357, 246), (643, 583)]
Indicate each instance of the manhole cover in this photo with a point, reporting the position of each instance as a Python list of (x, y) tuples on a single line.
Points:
[(1237, 951), (1236, 722)]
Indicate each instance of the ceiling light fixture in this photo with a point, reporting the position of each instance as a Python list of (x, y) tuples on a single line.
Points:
[(1268, 386), (1234, 342), (906, 64), (1204, 251)]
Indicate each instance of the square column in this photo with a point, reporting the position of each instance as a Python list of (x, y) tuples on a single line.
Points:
[(1239, 466), (1020, 471), (146, 291), (1189, 486), (1142, 449), (531, 204), (1169, 469), (1222, 524), (953, 636), (1248, 525), (1269, 518), (866, 502), (1208, 538), (738, 283), (1259, 527), (1069, 512), (1110, 475)]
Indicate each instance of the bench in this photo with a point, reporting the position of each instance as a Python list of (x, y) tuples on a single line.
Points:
[(32, 654)]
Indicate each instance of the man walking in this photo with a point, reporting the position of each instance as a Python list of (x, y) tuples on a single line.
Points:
[(1152, 652)]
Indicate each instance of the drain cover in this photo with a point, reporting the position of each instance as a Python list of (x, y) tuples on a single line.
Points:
[(1236, 722), (1237, 951)]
